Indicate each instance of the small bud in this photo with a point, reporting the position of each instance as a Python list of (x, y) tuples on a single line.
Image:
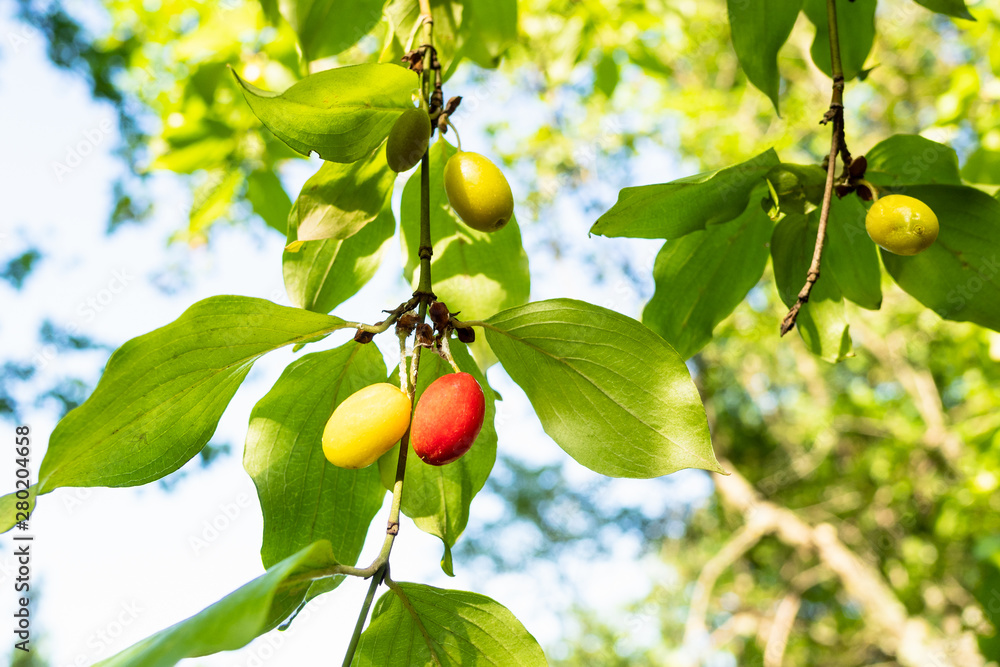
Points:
[(858, 167), (466, 334), (362, 336)]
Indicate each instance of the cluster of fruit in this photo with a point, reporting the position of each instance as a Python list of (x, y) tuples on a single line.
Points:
[(476, 188), (446, 421)]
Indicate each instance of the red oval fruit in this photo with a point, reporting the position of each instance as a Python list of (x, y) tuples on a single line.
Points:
[(447, 418)]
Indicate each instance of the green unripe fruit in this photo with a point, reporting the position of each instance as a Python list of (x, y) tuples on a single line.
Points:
[(902, 225), (478, 192), (366, 425), (408, 140)]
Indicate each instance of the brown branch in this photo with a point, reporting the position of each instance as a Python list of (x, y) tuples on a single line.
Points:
[(912, 640), (838, 144)]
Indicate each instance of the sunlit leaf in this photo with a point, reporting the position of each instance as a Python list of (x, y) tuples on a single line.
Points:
[(304, 497), (703, 275), (909, 159), (320, 275), (608, 390), (342, 114), (856, 30), (453, 627), (327, 27), (671, 210), (954, 8), (269, 199), (162, 394), (759, 31)]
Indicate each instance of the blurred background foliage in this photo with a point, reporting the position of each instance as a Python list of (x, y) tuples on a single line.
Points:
[(897, 449)]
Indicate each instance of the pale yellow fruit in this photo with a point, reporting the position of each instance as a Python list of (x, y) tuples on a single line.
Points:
[(366, 425)]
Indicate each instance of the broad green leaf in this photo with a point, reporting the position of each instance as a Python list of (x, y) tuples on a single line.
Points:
[(671, 210), (489, 28), (759, 31), (455, 627), (958, 277), (855, 27), (437, 498), (474, 272), (909, 159), (821, 322), (340, 199), (448, 17), (235, 620), (608, 390), (269, 199), (202, 153), (327, 27), (342, 114), (954, 8), (703, 275), (305, 498), (983, 166), (850, 256), (321, 275), (162, 394)]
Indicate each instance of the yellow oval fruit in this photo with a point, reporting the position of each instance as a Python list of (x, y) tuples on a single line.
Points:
[(902, 225), (408, 140), (478, 192), (366, 425)]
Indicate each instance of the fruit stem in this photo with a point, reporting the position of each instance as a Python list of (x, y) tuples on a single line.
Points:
[(446, 352), (834, 114), (353, 646), (458, 138), (871, 188)]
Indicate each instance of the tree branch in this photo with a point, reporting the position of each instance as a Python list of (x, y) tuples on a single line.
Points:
[(912, 640), (834, 114)]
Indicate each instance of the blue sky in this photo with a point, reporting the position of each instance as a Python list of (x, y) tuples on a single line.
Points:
[(119, 564)]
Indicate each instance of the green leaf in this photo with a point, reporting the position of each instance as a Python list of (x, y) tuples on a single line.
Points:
[(958, 277), (448, 17), (340, 199), (954, 8), (321, 275), (983, 166), (8, 508), (821, 322), (235, 620), (162, 394), (305, 498), (759, 30), (437, 498), (269, 199), (606, 75), (671, 210), (850, 256), (702, 276), (327, 27), (342, 114), (855, 27), (608, 390), (489, 28), (456, 627), (909, 159), (212, 200), (477, 273)]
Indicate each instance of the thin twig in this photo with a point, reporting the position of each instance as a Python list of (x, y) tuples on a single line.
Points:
[(834, 114), (363, 616)]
